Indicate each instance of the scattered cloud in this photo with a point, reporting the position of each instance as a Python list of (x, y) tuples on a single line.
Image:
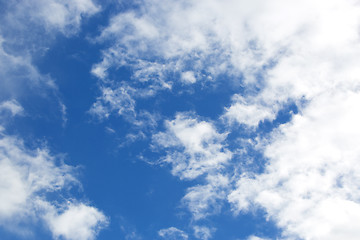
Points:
[(194, 147), (27, 31), (188, 77), (207, 199), (63, 114), (173, 233), (76, 222), (203, 232), (253, 237), (11, 106), (17, 71), (116, 100), (309, 186), (249, 112), (28, 177), (278, 51), (54, 15)]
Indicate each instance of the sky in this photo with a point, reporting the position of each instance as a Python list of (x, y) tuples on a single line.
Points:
[(183, 120)]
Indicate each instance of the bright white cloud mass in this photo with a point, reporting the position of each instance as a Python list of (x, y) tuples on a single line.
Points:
[(202, 119), (27, 177)]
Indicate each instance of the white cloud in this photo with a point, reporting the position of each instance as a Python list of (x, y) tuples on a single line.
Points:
[(231, 37), (204, 200), (117, 100), (194, 147), (310, 184), (319, 56), (53, 15), (121, 101), (11, 106), (76, 222), (279, 47), (249, 111), (188, 77), (26, 173), (173, 233), (17, 71), (28, 28), (253, 237), (283, 51), (63, 113), (203, 232), (27, 177)]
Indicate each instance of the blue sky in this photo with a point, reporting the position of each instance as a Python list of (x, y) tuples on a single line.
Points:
[(183, 120)]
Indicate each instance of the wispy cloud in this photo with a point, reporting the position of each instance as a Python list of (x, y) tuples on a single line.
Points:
[(173, 233), (207, 199), (203, 232), (11, 106), (27, 31), (116, 100)]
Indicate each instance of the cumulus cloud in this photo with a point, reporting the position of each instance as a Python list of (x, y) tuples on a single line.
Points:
[(310, 184), (28, 177), (173, 233), (249, 111), (77, 221), (278, 47), (195, 147), (319, 56), (281, 51)]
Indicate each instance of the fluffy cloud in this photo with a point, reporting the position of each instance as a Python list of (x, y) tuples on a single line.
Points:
[(249, 111), (194, 147), (279, 47), (27, 178), (30, 176), (301, 52), (173, 233), (310, 184), (319, 55)]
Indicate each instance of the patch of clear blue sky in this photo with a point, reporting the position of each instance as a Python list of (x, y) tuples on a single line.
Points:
[(128, 190)]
